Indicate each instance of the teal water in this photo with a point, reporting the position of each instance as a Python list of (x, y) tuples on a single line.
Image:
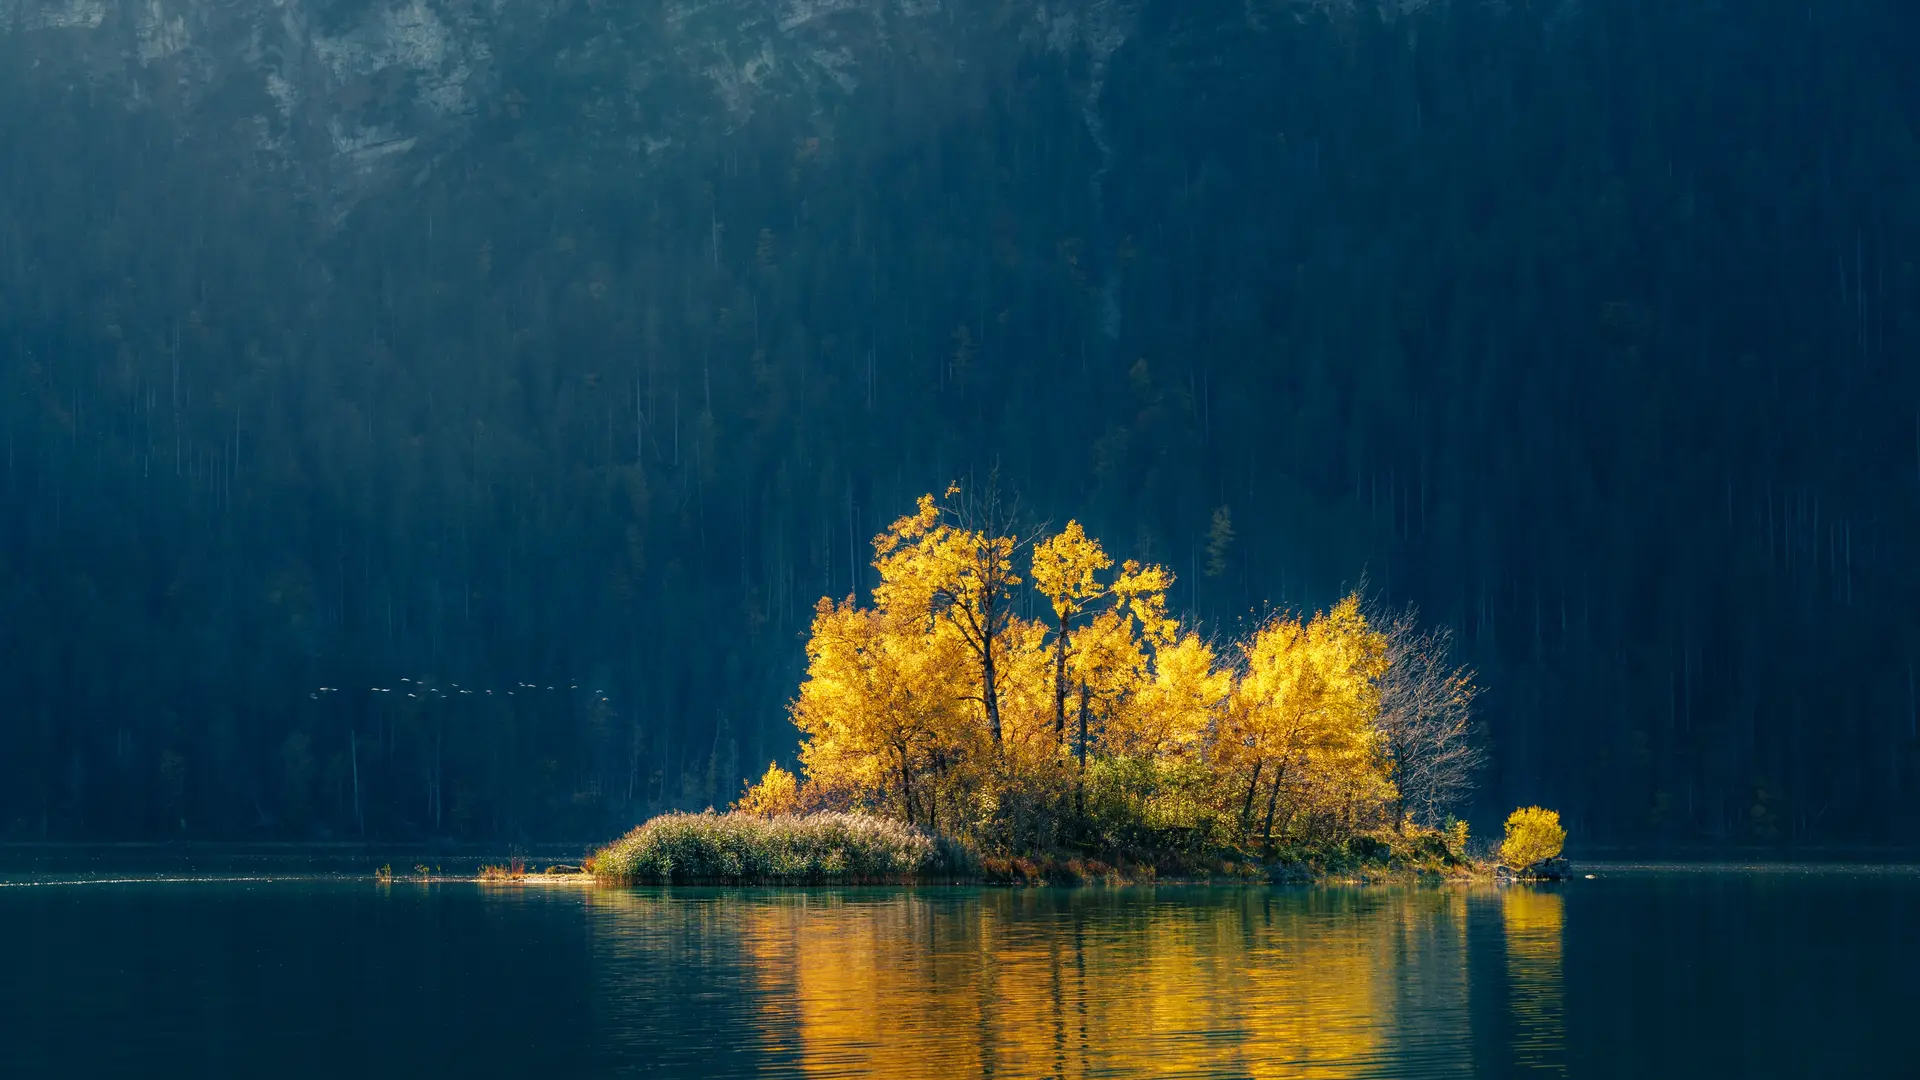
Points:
[(1642, 973)]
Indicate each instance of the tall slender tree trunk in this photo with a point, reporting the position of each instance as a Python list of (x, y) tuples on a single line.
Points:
[(1399, 795), (906, 784), (1080, 792), (933, 793), (1246, 807), (1060, 686), (1273, 800), (990, 692)]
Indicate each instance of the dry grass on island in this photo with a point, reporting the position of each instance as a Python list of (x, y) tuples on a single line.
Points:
[(743, 847), (516, 869), (835, 848), (786, 849)]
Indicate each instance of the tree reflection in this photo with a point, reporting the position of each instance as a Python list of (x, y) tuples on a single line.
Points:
[(1267, 984), (1533, 924)]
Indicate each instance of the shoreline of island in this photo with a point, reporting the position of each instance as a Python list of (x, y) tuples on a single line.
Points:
[(833, 849)]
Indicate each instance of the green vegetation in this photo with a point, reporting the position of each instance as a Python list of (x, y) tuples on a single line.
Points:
[(739, 848)]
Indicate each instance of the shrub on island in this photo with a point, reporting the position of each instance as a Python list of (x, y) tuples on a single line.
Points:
[(745, 849), (1534, 838)]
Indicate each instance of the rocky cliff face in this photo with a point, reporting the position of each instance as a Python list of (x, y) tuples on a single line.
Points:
[(342, 96)]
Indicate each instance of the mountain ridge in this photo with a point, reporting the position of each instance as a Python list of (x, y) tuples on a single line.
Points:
[(343, 100)]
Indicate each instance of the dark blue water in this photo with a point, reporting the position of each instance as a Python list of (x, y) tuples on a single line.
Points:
[(1637, 973)]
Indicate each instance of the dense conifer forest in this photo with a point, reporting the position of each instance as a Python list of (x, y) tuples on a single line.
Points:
[(488, 492)]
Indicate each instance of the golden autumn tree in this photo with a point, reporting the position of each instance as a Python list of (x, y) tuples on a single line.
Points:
[(1175, 707), (882, 705), (774, 794), (1347, 784), (1302, 702), (1109, 662), (1065, 571), (1127, 618), (1153, 778), (953, 560), (940, 705)]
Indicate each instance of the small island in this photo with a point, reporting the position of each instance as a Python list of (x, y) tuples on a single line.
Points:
[(956, 729)]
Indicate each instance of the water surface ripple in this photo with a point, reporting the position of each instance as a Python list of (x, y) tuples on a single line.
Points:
[(1649, 972)]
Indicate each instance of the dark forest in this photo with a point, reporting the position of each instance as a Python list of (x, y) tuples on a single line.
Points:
[(1588, 328)]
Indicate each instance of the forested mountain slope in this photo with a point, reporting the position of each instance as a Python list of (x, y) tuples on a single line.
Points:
[(586, 344)]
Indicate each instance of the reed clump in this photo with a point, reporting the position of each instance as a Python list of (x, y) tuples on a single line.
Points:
[(514, 870), (788, 849)]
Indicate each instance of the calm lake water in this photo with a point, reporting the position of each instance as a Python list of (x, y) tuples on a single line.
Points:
[(1640, 973)]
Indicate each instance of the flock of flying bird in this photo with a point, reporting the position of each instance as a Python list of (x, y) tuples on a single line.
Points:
[(420, 689)]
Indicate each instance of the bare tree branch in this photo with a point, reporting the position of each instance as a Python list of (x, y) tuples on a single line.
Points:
[(1426, 719)]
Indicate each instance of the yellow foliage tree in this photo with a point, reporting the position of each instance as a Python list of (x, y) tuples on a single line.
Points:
[(952, 562), (1533, 836), (1175, 707), (1065, 569), (883, 704), (1301, 712), (778, 792), (940, 705), (1108, 658)]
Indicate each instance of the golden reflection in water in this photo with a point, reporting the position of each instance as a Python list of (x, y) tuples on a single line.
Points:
[(1533, 921), (1327, 983)]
